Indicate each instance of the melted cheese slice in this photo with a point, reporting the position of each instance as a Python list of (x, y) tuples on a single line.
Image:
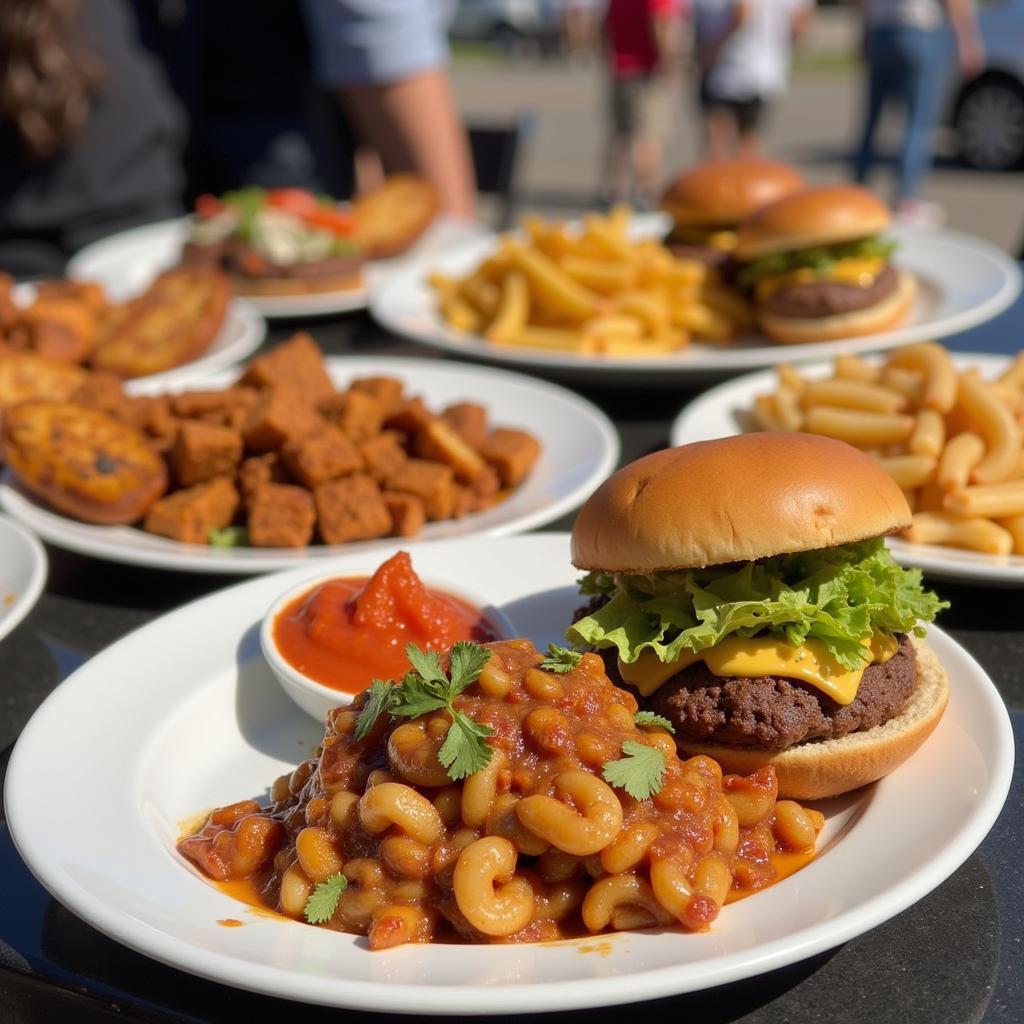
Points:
[(857, 270), (763, 656), (715, 238)]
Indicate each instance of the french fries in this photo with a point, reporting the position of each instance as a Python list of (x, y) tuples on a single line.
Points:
[(591, 290), (952, 441)]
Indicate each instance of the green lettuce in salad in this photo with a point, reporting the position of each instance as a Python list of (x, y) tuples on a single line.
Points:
[(837, 596)]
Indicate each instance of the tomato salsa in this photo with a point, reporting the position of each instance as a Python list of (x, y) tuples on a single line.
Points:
[(346, 632)]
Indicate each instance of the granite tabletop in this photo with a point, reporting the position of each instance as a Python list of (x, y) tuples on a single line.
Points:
[(957, 955)]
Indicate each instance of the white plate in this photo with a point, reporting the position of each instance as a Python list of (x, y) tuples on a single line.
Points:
[(126, 262), (724, 410), (580, 447), (962, 281), (239, 336), (209, 725), (22, 573)]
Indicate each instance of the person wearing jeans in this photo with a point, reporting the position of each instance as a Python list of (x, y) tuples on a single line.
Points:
[(905, 49)]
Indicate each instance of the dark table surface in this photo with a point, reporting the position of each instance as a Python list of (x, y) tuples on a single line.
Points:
[(957, 955)]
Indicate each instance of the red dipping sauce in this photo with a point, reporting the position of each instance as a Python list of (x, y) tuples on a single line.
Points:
[(346, 632)]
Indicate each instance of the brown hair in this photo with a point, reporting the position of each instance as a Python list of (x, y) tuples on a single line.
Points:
[(49, 74)]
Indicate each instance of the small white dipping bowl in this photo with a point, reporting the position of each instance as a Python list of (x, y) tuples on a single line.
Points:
[(316, 699)]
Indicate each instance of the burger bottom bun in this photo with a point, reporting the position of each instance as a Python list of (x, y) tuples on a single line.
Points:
[(312, 285), (797, 330), (815, 770)]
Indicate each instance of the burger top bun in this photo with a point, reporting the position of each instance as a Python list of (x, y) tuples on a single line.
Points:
[(723, 192), (735, 500), (823, 215)]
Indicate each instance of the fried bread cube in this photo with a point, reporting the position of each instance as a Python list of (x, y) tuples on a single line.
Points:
[(433, 483), (512, 453), (189, 515), (202, 451), (322, 455), (408, 514), (281, 516), (297, 363), (351, 508)]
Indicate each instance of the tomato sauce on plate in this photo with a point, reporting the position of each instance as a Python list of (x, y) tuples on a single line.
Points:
[(348, 631)]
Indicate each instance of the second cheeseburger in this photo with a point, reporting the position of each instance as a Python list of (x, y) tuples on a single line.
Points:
[(818, 268), (743, 589)]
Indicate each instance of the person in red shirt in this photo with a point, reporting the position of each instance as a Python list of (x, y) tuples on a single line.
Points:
[(643, 49)]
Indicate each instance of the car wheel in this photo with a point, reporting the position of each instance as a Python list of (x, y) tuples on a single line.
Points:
[(990, 124)]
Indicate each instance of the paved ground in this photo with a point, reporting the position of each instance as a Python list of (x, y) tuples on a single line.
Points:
[(813, 128)]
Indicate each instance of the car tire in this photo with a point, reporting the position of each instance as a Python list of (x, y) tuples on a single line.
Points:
[(989, 123)]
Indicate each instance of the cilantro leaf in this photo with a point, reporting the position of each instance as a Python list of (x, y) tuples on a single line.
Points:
[(426, 664), (651, 718), (228, 537), (465, 750), (641, 773), (465, 663), (323, 901), (380, 697), (415, 696), (561, 659)]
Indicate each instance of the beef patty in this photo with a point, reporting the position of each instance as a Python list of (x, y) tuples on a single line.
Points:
[(712, 258), (828, 298), (773, 713)]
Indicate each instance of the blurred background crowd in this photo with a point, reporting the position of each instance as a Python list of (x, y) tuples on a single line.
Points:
[(120, 112)]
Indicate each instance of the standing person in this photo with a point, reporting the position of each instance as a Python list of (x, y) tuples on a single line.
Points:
[(743, 52), (386, 61), (644, 43), (905, 50)]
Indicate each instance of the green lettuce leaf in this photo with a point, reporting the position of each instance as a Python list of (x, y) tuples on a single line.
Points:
[(819, 258), (837, 596)]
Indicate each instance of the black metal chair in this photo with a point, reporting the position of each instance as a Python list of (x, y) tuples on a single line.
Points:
[(497, 149)]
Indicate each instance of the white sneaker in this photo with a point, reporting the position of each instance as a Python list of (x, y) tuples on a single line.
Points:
[(919, 213)]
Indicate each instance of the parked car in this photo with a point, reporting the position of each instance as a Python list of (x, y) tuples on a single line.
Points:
[(987, 112), (512, 24)]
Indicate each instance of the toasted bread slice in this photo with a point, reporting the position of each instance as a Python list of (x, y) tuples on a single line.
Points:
[(25, 375)]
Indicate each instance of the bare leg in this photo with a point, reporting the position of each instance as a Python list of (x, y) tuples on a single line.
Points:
[(647, 167), (616, 179)]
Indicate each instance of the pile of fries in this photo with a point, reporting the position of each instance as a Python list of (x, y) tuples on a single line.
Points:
[(953, 441), (591, 289)]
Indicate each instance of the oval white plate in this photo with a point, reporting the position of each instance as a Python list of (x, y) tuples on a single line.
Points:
[(239, 336), (207, 724), (724, 410), (963, 281), (580, 447), (22, 573), (126, 262)]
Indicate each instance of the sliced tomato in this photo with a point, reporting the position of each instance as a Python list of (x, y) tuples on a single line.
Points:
[(292, 200), (335, 219), (208, 206)]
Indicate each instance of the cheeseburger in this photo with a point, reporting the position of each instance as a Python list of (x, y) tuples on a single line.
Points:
[(742, 589), (818, 269), (708, 201)]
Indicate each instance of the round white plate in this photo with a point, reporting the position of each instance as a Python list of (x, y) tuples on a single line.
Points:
[(724, 410), (239, 336), (126, 262), (580, 447), (22, 573), (209, 725), (962, 281)]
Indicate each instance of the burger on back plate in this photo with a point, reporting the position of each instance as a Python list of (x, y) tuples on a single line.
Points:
[(818, 269), (708, 201), (743, 589)]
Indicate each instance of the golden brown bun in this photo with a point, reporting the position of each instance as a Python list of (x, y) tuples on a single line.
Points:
[(297, 285), (734, 500), (723, 192), (813, 771), (804, 330), (822, 215), (394, 215)]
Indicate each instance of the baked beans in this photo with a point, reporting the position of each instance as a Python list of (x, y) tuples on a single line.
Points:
[(537, 845)]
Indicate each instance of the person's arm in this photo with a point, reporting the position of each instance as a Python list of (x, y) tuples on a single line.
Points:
[(387, 64), (969, 47), (667, 31), (711, 49), (800, 21)]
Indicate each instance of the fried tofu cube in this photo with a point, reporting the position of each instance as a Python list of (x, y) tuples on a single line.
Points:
[(226, 408), (387, 390), (280, 414), (101, 391), (408, 416), (202, 451), (465, 502), (259, 470), (512, 453), (351, 508), (433, 483), (408, 514), (357, 414), (281, 516), (469, 421), (297, 363), (324, 454), (383, 455), (437, 441), (190, 514)]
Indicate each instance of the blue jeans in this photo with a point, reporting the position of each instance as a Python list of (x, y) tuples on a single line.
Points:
[(906, 65)]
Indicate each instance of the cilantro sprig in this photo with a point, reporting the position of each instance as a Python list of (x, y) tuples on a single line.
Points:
[(641, 773), (323, 900), (427, 688), (561, 659), (229, 537), (643, 718)]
